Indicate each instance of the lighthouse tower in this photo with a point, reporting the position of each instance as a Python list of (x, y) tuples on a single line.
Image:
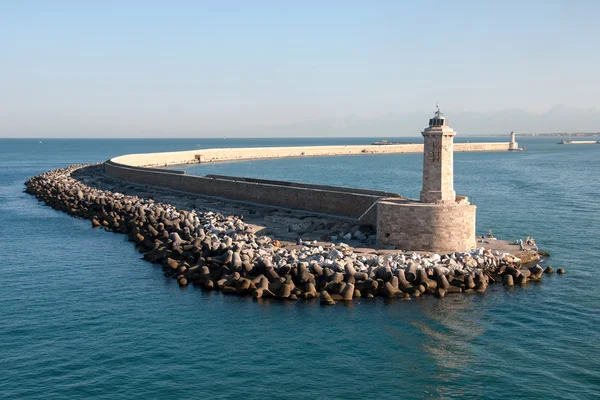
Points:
[(513, 145), (441, 221), (438, 161)]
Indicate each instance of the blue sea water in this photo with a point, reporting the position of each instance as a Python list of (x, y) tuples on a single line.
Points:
[(82, 316)]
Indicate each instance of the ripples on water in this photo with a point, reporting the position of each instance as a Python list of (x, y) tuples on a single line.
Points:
[(82, 316)]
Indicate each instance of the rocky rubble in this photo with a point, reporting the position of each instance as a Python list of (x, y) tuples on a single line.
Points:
[(218, 252)]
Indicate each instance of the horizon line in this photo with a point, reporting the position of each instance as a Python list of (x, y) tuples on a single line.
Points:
[(277, 137)]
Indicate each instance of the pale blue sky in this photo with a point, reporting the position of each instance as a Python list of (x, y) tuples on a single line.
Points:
[(95, 68)]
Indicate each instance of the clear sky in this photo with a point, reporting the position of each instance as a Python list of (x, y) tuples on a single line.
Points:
[(95, 68)]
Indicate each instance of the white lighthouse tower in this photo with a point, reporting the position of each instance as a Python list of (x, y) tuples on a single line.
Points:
[(438, 161), (513, 145)]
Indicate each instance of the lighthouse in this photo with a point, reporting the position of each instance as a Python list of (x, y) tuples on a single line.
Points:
[(438, 161), (440, 220), (513, 145)]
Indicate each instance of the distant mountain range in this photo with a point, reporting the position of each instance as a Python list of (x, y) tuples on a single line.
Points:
[(558, 119)]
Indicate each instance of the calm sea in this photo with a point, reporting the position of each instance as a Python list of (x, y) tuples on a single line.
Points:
[(83, 317)]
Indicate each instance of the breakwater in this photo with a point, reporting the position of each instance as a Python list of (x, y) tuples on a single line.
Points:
[(238, 154), (219, 252), (356, 204)]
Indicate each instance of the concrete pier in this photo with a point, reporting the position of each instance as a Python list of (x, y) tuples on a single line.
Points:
[(258, 153)]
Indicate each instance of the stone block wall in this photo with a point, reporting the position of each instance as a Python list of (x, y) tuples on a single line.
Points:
[(325, 200), (410, 225), (380, 193)]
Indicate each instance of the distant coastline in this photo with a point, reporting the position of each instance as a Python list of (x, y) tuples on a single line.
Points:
[(563, 134)]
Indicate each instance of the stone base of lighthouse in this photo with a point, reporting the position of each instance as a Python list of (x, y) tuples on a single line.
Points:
[(412, 225)]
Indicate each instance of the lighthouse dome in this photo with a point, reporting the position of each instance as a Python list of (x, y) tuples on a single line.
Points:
[(438, 119)]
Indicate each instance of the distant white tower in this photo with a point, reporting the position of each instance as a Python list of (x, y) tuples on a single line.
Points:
[(513, 145), (438, 161)]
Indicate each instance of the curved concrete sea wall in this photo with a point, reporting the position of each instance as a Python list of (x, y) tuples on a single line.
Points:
[(216, 155)]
